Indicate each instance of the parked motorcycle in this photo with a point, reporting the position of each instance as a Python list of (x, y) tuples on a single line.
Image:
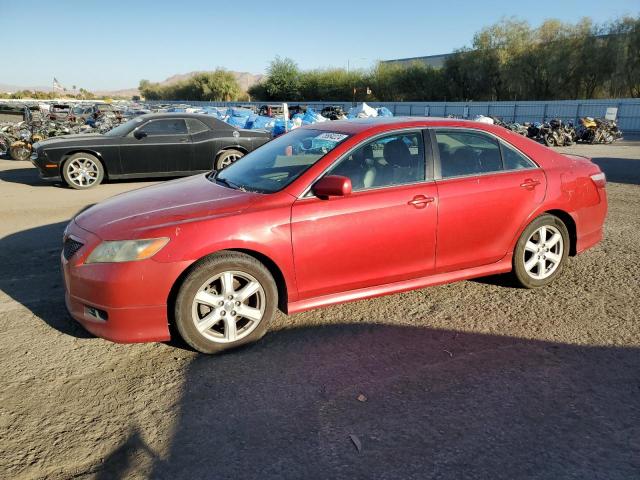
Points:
[(556, 133), (596, 130), (586, 131), (518, 128), (4, 145)]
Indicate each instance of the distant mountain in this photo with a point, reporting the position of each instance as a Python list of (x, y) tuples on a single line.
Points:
[(245, 80), (4, 88)]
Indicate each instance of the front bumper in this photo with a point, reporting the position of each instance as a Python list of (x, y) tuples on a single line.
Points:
[(122, 302), (40, 161)]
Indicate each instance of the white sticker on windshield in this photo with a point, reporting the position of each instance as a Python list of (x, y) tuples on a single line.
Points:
[(334, 137)]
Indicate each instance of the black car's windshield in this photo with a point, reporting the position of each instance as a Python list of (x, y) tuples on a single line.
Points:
[(125, 128), (276, 164)]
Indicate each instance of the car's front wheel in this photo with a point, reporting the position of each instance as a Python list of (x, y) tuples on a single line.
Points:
[(541, 252), (82, 171), (226, 300)]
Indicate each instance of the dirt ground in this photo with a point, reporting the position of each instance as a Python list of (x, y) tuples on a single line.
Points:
[(471, 380)]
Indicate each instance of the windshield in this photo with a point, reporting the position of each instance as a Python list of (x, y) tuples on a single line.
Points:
[(276, 164), (125, 128)]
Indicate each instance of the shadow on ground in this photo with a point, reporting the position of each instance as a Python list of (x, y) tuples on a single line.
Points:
[(436, 403), (621, 170), (26, 176), (439, 404), (29, 176), (31, 275)]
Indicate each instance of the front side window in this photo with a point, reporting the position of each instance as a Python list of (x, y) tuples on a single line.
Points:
[(173, 126), (276, 164), (124, 129), (395, 159), (467, 153)]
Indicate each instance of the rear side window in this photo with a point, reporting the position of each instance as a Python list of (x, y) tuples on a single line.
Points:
[(513, 159), (467, 153), (173, 126), (196, 126)]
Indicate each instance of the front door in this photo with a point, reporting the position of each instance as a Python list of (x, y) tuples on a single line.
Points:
[(158, 146), (383, 232)]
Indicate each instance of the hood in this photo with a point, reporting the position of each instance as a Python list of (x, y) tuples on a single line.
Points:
[(130, 214)]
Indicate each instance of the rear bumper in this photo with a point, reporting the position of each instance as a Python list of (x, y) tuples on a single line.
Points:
[(590, 222)]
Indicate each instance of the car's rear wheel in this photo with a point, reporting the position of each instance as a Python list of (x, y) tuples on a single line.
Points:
[(541, 252), (82, 171), (225, 301), (227, 157)]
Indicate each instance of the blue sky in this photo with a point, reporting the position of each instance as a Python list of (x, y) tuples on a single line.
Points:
[(113, 44)]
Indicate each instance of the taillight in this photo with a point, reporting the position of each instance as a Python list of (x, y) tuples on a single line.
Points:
[(599, 179)]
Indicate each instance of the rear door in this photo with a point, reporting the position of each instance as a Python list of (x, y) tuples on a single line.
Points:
[(164, 148), (486, 189)]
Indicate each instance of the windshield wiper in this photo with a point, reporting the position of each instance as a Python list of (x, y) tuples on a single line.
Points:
[(227, 183)]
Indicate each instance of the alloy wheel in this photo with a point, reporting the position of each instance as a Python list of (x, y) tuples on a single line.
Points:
[(228, 160), (228, 306), (543, 252), (82, 171)]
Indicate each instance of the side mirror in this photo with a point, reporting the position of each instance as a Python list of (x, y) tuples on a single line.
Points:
[(332, 186), (139, 134)]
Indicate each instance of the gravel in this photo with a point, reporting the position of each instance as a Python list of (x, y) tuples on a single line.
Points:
[(475, 379)]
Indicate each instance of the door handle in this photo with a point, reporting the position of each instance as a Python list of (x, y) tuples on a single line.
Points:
[(530, 183), (184, 140), (420, 201)]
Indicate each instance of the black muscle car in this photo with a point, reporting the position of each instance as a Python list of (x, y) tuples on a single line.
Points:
[(153, 145)]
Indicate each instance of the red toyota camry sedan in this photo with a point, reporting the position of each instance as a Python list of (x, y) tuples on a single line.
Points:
[(325, 214)]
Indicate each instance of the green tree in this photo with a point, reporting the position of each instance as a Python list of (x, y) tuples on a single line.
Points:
[(283, 80)]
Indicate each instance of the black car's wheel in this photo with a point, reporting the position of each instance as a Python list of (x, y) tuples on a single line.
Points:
[(226, 300), (82, 171), (541, 252), (226, 158)]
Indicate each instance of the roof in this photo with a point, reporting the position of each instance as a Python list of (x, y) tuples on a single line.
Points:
[(361, 125), (208, 120)]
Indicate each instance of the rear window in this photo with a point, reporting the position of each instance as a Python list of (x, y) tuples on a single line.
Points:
[(196, 126)]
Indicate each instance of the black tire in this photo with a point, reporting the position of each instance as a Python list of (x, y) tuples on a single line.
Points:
[(198, 276), (549, 141), (226, 158), (93, 164), (522, 275), (20, 152)]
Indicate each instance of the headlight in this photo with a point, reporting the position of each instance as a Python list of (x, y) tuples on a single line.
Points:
[(126, 250)]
